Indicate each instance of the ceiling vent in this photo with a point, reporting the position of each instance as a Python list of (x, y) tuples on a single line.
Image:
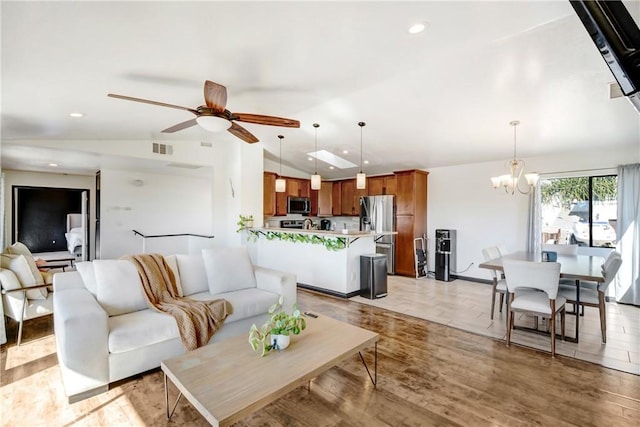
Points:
[(615, 91), (206, 144), (162, 148)]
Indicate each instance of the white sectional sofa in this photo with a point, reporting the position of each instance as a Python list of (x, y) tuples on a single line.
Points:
[(106, 331)]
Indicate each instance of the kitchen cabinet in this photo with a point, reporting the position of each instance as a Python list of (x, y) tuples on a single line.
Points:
[(293, 188), (336, 198), (269, 194), (405, 254), (411, 217), (380, 185), (324, 199), (350, 197)]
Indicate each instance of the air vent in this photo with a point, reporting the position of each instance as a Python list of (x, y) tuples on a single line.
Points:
[(206, 144), (162, 148), (183, 166), (615, 91)]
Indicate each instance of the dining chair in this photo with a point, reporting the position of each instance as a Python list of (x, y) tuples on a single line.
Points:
[(542, 276), (560, 249), (499, 285), (592, 294)]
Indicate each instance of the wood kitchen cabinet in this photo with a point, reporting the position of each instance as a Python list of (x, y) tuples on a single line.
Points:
[(324, 202), (411, 217), (269, 194), (296, 187), (336, 198), (350, 197), (380, 185)]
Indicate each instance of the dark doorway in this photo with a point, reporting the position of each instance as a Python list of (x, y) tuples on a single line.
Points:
[(40, 216)]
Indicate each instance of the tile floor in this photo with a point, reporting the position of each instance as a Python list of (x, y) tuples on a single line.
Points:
[(467, 305)]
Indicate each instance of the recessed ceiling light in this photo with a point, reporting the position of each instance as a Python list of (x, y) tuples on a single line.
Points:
[(331, 167), (76, 114), (345, 151), (366, 162), (417, 28), (332, 159), (53, 165), (309, 158)]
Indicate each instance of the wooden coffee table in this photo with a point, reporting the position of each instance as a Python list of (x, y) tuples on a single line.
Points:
[(227, 381)]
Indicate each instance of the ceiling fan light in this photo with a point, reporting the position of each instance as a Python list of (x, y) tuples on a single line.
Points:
[(213, 123), (281, 185), (361, 181)]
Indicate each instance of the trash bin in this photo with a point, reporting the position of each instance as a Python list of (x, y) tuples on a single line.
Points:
[(373, 276)]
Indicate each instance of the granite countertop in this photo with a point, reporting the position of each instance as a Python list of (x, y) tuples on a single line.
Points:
[(352, 233)]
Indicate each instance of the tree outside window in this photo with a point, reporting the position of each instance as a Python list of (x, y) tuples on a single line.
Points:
[(579, 210)]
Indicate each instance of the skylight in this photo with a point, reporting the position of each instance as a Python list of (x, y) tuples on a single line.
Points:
[(332, 159)]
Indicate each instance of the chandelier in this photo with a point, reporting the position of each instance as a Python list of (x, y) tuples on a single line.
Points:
[(511, 181)]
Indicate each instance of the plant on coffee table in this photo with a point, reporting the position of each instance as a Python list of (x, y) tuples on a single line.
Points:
[(281, 324)]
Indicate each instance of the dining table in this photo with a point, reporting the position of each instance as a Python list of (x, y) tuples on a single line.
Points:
[(574, 267)]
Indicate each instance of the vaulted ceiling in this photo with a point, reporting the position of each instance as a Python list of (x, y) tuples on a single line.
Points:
[(441, 97)]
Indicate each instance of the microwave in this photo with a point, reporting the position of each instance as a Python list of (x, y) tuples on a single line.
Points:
[(298, 205)]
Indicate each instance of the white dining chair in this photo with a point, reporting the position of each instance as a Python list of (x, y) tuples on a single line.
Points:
[(560, 249), (499, 285), (592, 294), (542, 276)]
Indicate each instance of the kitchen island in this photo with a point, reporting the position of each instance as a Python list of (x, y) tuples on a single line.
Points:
[(326, 261)]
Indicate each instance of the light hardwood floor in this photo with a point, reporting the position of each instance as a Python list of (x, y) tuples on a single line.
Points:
[(429, 374), (467, 306)]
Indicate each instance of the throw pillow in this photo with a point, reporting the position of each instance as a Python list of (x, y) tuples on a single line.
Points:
[(193, 277), (118, 286), (24, 271), (85, 268), (228, 269), (173, 263), (19, 248)]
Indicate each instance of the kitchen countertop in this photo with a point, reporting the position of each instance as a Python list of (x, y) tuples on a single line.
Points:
[(331, 233)]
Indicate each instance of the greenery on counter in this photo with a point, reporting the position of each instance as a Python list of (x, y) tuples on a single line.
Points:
[(330, 243)]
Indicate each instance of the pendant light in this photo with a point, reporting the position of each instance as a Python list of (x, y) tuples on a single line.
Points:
[(281, 183), (361, 178), (316, 180), (512, 181)]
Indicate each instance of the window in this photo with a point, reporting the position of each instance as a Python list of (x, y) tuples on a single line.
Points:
[(579, 210)]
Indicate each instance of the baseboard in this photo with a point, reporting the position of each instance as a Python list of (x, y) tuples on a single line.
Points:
[(474, 279), (328, 292)]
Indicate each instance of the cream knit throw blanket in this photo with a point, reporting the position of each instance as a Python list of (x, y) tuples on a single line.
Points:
[(197, 320)]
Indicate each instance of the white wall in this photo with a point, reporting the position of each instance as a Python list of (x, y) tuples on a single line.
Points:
[(462, 198), (40, 179), (164, 204)]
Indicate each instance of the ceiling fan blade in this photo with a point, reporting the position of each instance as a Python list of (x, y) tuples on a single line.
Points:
[(265, 120), (215, 96), (181, 126), (242, 133), (146, 101)]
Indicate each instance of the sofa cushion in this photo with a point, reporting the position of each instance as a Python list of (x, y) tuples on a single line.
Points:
[(19, 248), (140, 329), (85, 268), (173, 264), (245, 302), (228, 269), (26, 272), (118, 286), (193, 276)]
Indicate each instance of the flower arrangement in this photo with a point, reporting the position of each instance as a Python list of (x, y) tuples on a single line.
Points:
[(244, 222), (281, 323)]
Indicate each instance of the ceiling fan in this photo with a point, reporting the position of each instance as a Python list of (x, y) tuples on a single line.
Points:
[(215, 117)]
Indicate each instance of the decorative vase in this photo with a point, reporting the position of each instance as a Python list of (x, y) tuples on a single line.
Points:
[(280, 342)]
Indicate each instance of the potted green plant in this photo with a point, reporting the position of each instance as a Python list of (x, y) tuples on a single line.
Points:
[(244, 222), (275, 334)]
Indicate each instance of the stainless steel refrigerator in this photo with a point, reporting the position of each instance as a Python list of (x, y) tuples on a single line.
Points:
[(377, 214)]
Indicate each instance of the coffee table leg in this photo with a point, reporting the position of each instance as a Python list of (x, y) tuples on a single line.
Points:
[(166, 399), (374, 379)]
